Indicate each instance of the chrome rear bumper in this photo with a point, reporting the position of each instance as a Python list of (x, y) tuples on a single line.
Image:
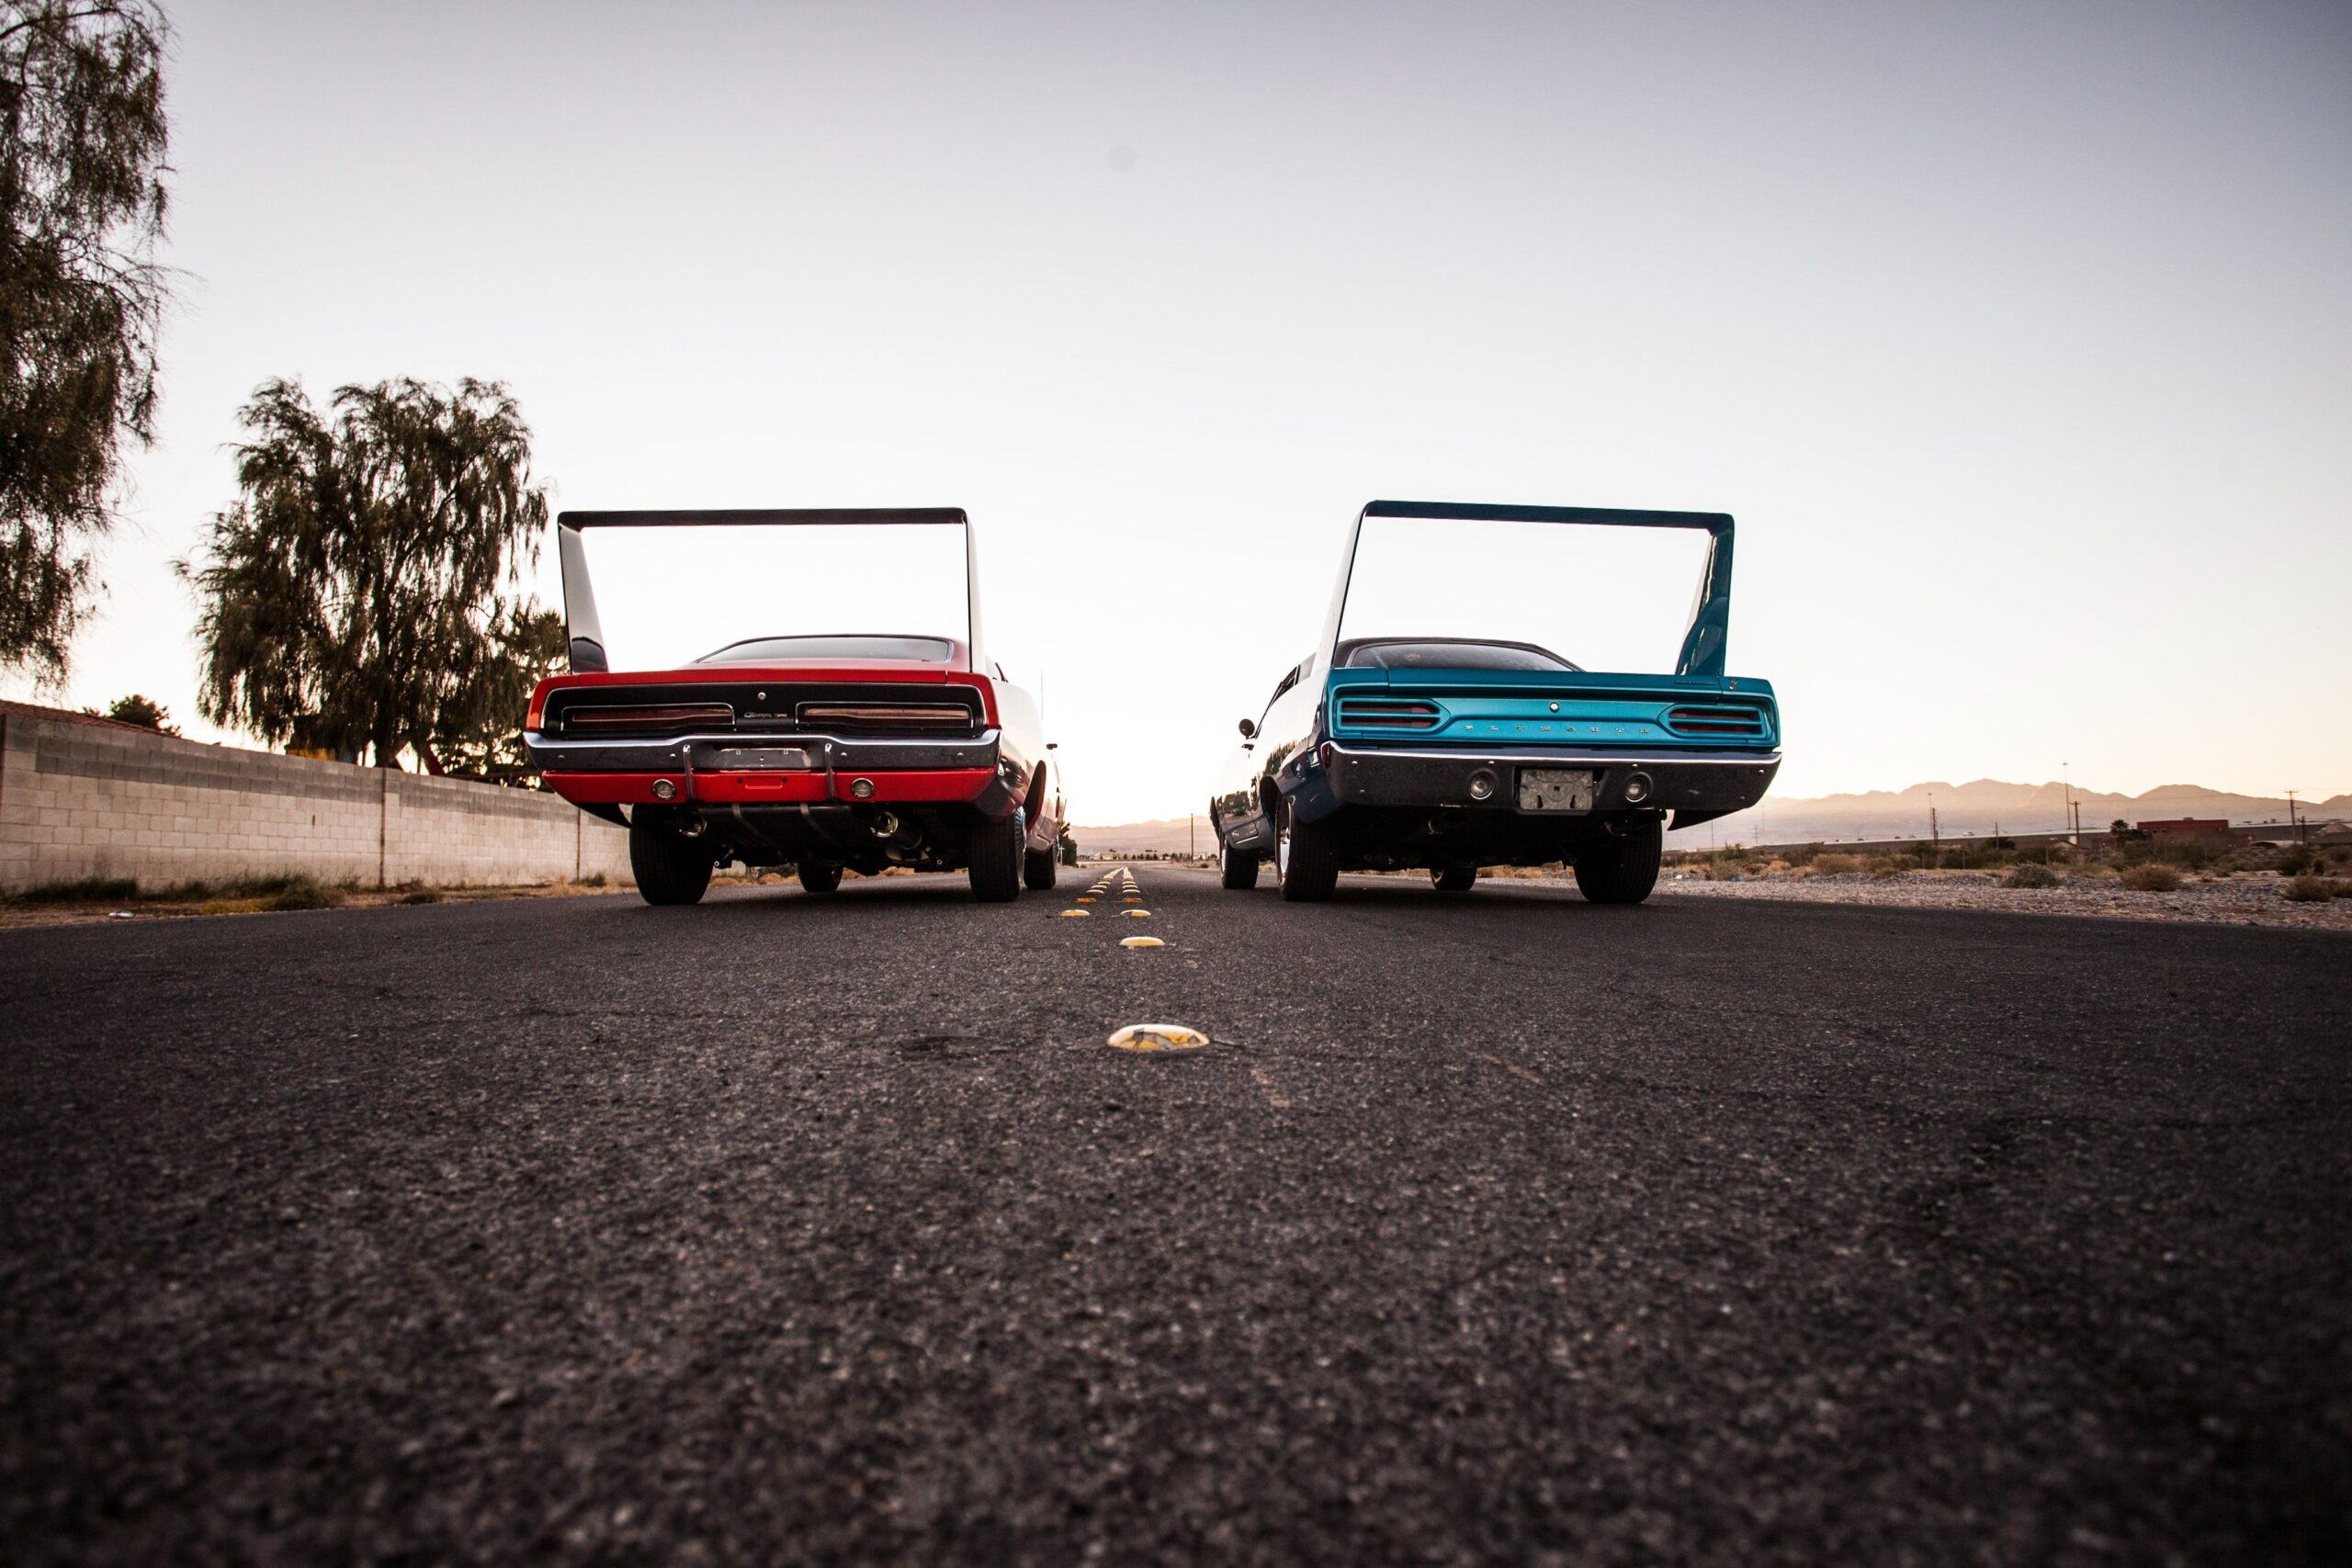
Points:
[(1693, 784), (756, 754)]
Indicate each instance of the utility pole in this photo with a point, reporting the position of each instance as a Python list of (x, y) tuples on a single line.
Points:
[(2293, 826), (1191, 844), (1934, 830), (2074, 812)]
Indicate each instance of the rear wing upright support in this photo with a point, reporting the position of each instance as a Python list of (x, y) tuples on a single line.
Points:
[(1702, 642), (584, 632)]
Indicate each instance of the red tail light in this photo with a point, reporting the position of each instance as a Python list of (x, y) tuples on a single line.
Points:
[(1740, 721), (665, 715), (912, 716), (1386, 713)]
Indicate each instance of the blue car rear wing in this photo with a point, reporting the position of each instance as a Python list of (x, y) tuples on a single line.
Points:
[(1703, 643)]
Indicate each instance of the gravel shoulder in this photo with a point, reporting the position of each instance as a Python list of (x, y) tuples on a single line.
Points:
[(2232, 901)]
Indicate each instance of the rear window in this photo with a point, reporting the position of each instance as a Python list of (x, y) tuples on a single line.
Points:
[(770, 650), (1447, 654)]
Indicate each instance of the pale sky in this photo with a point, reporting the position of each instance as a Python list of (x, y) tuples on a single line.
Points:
[(2018, 337)]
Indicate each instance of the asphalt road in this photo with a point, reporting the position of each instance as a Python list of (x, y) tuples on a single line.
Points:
[(1505, 1228)]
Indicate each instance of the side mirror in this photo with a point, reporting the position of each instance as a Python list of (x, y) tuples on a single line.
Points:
[(1249, 730)]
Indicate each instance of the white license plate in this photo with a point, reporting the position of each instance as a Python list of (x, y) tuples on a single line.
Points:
[(755, 758), (1556, 789)]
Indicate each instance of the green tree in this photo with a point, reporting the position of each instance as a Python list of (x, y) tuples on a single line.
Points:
[(82, 144), (479, 735), (143, 711), (355, 597)]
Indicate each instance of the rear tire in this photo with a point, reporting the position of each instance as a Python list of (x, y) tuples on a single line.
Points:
[(670, 867), (1453, 878), (997, 851), (1239, 872), (819, 878), (1307, 860), (1037, 870), (1621, 870)]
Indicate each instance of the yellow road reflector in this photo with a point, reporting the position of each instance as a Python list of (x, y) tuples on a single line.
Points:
[(1086, 900), (1135, 914), (1158, 1037), (1131, 900), (1075, 914), (1141, 941)]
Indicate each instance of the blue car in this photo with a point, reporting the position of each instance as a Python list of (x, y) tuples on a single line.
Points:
[(1411, 738)]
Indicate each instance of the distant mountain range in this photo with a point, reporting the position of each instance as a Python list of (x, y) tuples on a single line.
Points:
[(1982, 806), (1977, 808), (1165, 836)]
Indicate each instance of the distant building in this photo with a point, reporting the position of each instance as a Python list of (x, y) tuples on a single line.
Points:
[(2186, 828)]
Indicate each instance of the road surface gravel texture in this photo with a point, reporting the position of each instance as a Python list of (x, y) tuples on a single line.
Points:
[(1501, 1228)]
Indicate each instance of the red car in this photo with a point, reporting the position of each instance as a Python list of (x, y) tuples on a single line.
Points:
[(795, 739)]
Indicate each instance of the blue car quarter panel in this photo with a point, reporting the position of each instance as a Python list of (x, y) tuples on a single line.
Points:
[(1497, 740)]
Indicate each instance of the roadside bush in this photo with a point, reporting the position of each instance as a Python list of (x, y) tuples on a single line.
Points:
[(594, 879), (1885, 865), (2313, 889), (1801, 855), (2151, 876), (94, 889), (1836, 865), (302, 893), (2031, 875), (421, 896), (2298, 862)]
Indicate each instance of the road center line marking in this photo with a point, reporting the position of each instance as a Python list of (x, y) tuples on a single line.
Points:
[(1515, 1072)]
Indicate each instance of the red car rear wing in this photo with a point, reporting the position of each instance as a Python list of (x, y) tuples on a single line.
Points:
[(585, 634)]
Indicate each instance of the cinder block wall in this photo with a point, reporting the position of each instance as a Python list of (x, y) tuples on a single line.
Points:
[(80, 799)]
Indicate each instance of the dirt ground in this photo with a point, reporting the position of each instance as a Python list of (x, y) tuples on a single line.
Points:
[(17, 912)]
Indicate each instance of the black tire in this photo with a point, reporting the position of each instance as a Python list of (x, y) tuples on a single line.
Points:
[(997, 851), (819, 878), (1307, 860), (670, 867), (1621, 870), (1037, 870), (1453, 878), (1237, 871)]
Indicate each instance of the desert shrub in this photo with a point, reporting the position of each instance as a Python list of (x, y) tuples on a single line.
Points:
[(1883, 865), (421, 896), (2195, 853), (594, 879), (1836, 865), (302, 893), (2151, 876), (1800, 855), (2031, 875), (2297, 861), (2313, 889)]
